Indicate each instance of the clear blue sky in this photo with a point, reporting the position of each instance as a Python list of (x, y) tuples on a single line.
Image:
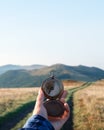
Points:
[(52, 31)]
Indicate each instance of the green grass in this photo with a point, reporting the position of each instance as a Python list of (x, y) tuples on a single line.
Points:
[(15, 115), (21, 123), (15, 104)]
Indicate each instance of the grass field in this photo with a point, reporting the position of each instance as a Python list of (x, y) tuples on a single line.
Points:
[(89, 107), (86, 102), (15, 103)]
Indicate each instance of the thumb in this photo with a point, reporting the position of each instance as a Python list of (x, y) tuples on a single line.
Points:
[(40, 97)]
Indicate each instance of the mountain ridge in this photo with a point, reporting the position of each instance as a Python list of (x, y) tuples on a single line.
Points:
[(34, 77), (7, 67)]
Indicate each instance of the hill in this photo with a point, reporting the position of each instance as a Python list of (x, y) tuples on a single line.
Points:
[(30, 78), (5, 68)]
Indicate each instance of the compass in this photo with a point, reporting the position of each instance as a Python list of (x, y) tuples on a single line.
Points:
[(53, 89)]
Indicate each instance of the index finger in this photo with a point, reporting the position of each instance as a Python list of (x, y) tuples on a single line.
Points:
[(64, 94)]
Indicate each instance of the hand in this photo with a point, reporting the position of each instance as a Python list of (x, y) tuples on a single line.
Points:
[(40, 109)]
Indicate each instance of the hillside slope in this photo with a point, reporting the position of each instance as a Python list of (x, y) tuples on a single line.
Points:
[(29, 78)]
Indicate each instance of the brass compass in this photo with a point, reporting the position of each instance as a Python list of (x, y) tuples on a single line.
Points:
[(53, 89)]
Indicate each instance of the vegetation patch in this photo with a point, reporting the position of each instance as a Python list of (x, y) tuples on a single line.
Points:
[(89, 107), (11, 118)]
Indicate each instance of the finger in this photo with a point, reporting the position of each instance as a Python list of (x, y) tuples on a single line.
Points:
[(67, 107), (62, 100), (66, 114), (64, 94)]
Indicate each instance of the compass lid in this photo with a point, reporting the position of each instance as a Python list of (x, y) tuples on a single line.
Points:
[(52, 88)]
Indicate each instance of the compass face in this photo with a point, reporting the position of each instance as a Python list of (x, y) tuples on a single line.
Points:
[(52, 88)]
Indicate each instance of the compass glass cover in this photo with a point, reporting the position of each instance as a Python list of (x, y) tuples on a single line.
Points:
[(52, 87)]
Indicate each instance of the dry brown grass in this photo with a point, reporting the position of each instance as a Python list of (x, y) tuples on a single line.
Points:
[(89, 107), (69, 84), (11, 98)]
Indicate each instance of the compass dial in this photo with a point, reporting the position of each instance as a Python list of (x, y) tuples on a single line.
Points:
[(52, 88)]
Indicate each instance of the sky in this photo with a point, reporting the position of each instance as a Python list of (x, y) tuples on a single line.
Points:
[(52, 31)]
